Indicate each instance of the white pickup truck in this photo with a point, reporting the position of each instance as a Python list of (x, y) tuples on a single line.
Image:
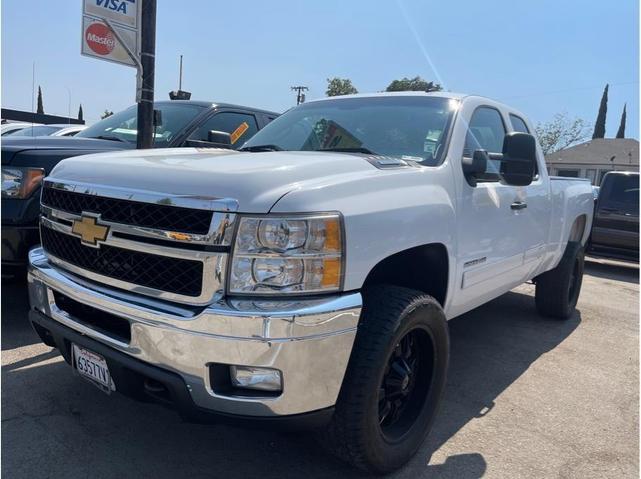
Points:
[(309, 277)]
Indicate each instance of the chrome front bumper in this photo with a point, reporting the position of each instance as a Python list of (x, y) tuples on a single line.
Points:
[(309, 341)]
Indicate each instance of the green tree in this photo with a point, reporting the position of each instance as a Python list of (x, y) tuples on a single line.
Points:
[(561, 132), (413, 84), (80, 117), (40, 109), (106, 114), (621, 131), (599, 126), (340, 86)]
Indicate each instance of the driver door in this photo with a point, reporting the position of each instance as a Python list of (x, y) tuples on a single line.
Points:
[(490, 250)]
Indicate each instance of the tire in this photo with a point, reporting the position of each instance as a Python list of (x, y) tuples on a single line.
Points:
[(401, 352), (557, 290)]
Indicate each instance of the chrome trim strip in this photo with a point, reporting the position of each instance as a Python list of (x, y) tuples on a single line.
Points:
[(211, 203), (220, 230), (133, 245)]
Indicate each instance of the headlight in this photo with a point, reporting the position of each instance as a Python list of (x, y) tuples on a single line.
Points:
[(20, 182), (288, 254)]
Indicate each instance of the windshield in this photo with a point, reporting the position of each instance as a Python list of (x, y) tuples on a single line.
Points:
[(42, 130), (122, 125), (408, 127)]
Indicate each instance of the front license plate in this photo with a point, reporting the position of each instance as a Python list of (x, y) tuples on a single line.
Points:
[(93, 367)]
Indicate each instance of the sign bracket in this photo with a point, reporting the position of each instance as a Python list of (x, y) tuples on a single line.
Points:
[(132, 55)]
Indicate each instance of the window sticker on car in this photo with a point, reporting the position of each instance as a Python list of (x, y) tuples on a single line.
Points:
[(238, 132), (429, 147)]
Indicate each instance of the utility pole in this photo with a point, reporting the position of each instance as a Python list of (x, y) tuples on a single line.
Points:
[(180, 94), (148, 60), (300, 96)]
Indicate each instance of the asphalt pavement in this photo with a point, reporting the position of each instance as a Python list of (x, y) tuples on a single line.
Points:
[(527, 397)]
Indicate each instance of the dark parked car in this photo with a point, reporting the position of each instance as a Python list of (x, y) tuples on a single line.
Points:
[(615, 230), (26, 160)]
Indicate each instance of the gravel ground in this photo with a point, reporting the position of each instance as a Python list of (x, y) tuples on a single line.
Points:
[(526, 397)]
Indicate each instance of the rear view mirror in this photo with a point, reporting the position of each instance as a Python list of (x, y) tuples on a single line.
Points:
[(221, 139), (519, 159)]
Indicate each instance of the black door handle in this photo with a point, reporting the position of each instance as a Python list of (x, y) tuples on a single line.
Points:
[(518, 205)]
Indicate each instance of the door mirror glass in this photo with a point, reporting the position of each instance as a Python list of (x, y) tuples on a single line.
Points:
[(519, 159), (220, 138)]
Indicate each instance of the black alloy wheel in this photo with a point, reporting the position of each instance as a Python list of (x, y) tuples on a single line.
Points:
[(406, 383)]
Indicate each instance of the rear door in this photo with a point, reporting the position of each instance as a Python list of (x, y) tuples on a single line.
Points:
[(616, 223), (534, 220)]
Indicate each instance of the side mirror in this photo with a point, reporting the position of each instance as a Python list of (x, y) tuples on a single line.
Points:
[(475, 166), (519, 159), (220, 138)]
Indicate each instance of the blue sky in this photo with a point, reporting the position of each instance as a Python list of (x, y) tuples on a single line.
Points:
[(541, 56)]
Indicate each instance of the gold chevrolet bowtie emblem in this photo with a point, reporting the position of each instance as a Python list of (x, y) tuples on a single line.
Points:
[(89, 230)]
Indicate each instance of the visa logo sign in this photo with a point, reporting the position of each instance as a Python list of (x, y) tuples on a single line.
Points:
[(118, 6)]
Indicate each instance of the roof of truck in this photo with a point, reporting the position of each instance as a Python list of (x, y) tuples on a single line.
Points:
[(440, 94), (212, 104)]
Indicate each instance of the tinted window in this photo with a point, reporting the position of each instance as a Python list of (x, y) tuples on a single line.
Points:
[(518, 124), (568, 173), (122, 125), (486, 132), (241, 127), (622, 191), (408, 127), (37, 131)]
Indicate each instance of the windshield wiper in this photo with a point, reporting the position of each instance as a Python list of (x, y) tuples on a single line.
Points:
[(349, 150), (262, 148), (109, 137)]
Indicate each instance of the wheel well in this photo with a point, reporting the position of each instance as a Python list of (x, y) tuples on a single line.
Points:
[(577, 232), (424, 268)]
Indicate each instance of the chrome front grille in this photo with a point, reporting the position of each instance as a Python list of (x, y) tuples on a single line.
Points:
[(162, 250)]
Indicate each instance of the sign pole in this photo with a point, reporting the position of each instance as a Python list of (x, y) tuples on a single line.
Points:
[(148, 60)]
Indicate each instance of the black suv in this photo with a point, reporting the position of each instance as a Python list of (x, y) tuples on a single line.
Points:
[(25, 161)]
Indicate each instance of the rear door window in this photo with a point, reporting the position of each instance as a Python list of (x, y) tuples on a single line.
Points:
[(621, 192), (518, 124)]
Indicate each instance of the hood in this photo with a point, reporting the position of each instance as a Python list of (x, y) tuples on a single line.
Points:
[(58, 146), (255, 180)]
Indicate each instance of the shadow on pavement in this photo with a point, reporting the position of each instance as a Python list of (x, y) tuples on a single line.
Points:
[(54, 424), (614, 271), (491, 347)]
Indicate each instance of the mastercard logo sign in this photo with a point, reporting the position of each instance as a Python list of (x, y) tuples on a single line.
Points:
[(100, 38)]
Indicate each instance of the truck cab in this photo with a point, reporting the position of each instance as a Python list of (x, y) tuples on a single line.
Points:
[(308, 276)]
